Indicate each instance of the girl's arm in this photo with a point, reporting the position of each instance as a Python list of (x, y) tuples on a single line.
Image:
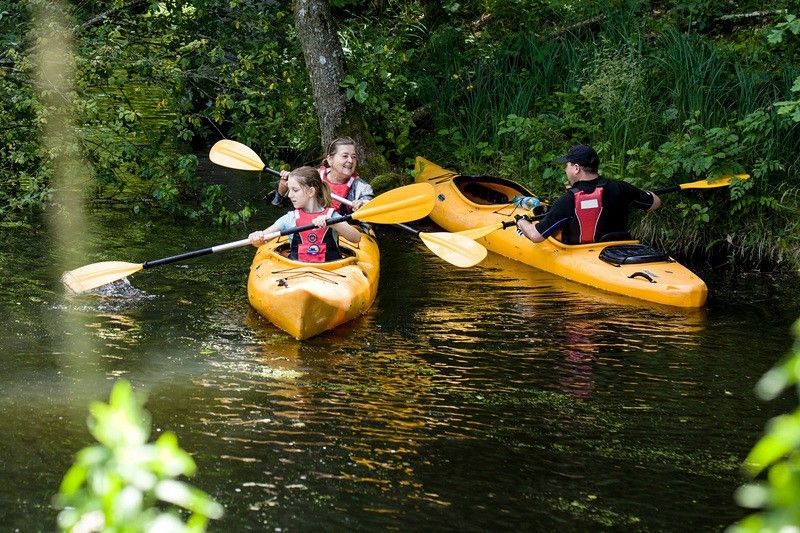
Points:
[(257, 237), (285, 222), (347, 231)]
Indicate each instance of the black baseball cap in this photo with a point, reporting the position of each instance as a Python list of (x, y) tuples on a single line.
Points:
[(582, 154)]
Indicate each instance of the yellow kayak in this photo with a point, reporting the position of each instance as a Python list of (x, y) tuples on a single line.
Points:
[(306, 299), (627, 267)]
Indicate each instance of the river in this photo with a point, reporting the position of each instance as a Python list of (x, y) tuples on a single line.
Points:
[(492, 398)]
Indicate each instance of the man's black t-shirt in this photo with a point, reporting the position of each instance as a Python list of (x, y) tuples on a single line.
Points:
[(618, 198)]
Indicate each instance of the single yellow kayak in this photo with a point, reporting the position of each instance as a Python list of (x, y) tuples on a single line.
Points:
[(306, 299), (629, 268)]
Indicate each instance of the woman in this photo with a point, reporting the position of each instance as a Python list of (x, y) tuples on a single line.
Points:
[(338, 171), (311, 199)]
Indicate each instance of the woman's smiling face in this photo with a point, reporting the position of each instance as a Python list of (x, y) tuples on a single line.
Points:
[(343, 163)]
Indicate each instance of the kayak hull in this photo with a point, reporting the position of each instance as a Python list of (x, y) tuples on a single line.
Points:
[(306, 299), (467, 202)]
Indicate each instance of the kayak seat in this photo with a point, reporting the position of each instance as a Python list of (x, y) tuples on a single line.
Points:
[(481, 194), (632, 254)]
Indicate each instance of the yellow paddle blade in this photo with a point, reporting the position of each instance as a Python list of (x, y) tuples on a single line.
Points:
[(483, 231), (236, 155), (96, 275), (403, 204), (723, 181), (455, 249)]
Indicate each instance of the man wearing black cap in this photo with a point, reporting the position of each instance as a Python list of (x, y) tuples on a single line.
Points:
[(594, 208)]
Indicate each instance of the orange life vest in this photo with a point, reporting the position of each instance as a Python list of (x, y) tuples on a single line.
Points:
[(314, 245), (339, 189), (588, 208)]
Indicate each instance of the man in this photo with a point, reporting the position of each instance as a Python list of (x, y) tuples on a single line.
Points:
[(594, 208)]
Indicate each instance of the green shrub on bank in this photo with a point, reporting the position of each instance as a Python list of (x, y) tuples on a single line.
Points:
[(124, 483), (661, 105), (776, 454), (482, 87)]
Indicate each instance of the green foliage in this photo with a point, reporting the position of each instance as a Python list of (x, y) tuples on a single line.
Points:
[(616, 90), (778, 454), (791, 24), (124, 483), (791, 108), (24, 166), (666, 91), (379, 56), (661, 105)]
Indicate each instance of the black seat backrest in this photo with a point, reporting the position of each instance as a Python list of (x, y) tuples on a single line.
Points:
[(631, 254)]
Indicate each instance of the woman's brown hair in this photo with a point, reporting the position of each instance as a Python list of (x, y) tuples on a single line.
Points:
[(333, 147)]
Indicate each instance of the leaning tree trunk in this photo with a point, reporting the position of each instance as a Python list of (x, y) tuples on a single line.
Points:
[(324, 62), (324, 58)]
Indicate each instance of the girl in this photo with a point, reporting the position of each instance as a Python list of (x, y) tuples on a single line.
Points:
[(338, 171), (311, 199)]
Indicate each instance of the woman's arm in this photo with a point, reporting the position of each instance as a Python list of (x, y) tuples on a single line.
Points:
[(362, 193)]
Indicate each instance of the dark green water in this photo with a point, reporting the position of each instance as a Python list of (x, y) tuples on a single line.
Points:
[(494, 398)]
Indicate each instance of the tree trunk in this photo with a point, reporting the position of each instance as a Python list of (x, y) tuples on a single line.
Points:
[(324, 62), (324, 58)]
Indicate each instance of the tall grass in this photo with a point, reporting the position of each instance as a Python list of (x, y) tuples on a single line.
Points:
[(659, 105), (694, 76)]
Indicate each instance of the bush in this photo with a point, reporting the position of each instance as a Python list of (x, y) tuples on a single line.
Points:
[(777, 454), (124, 483)]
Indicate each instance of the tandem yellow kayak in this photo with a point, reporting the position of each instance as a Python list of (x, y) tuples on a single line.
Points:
[(306, 299), (622, 267)]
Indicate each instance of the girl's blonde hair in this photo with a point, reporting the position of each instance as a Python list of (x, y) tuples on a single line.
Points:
[(309, 177)]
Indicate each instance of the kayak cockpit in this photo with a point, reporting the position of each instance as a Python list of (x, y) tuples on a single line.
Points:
[(489, 190)]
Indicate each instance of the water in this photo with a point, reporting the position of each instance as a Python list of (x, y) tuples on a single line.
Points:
[(491, 398)]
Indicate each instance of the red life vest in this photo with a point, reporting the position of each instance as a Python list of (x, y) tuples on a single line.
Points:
[(313, 245), (588, 207), (339, 189)]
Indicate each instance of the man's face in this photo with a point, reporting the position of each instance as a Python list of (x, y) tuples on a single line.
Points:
[(571, 170)]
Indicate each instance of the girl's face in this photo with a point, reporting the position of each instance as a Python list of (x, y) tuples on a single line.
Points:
[(343, 162), (302, 197)]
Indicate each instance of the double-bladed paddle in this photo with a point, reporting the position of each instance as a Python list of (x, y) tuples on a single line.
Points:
[(403, 204), (456, 249), (724, 181)]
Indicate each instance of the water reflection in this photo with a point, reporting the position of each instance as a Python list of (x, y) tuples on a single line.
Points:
[(490, 398)]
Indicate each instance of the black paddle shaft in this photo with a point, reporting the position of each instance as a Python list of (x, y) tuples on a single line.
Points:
[(206, 251), (179, 257), (663, 190)]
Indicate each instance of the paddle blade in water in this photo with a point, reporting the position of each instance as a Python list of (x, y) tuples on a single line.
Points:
[(403, 204), (96, 275), (455, 249), (236, 155), (477, 233)]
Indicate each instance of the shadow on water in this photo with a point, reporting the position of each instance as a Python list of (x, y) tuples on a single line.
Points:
[(497, 397)]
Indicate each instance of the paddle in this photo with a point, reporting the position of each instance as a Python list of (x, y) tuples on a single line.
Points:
[(398, 205), (455, 249), (724, 181)]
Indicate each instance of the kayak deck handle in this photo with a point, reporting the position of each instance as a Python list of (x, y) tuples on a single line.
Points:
[(644, 275)]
